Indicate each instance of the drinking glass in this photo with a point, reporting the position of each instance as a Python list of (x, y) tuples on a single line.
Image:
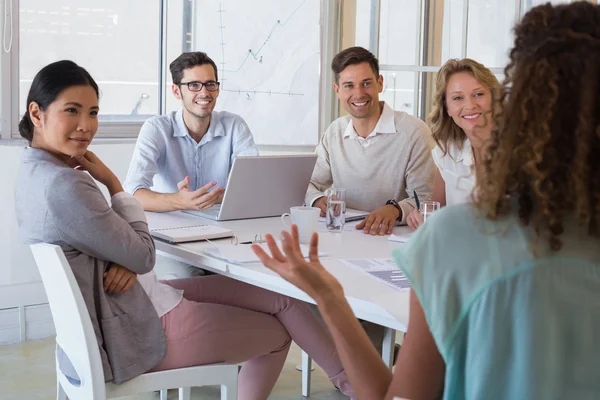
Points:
[(427, 207), (336, 210)]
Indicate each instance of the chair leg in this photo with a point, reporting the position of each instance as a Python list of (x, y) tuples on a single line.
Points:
[(164, 394), (60, 393), (185, 393), (306, 367), (229, 392)]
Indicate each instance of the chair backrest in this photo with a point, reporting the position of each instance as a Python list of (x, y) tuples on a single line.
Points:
[(74, 330)]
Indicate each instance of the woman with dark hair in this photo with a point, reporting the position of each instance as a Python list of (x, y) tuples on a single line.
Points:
[(504, 301), (142, 324)]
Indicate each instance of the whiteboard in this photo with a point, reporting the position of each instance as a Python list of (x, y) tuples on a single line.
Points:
[(268, 59)]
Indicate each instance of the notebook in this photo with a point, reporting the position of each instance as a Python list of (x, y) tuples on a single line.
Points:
[(190, 233), (351, 215)]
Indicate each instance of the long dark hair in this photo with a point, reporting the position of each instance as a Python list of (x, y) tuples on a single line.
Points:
[(543, 158), (47, 86)]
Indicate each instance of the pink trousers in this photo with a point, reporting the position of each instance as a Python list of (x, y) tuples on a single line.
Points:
[(224, 320)]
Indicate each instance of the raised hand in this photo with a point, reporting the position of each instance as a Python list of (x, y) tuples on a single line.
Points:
[(199, 199), (98, 170), (309, 276)]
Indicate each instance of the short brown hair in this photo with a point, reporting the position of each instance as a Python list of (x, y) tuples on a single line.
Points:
[(189, 60), (542, 164), (353, 56), (444, 129)]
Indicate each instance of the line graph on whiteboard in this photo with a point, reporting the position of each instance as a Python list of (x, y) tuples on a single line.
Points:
[(267, 54)]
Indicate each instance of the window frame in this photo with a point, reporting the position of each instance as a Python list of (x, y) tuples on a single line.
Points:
[(425, 21), (10, 72)]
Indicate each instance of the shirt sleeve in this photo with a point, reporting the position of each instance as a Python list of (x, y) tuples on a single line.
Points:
[(243, 144), (321, 179), (145, 158), (84, 220), (420, 170)]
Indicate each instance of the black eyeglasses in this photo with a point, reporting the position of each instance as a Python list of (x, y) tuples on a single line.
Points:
[(195, 86)]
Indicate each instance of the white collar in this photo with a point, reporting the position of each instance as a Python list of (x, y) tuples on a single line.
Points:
[(465, 155), (386, 123)]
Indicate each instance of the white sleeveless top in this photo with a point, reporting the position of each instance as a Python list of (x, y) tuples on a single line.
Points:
[(457, 170)]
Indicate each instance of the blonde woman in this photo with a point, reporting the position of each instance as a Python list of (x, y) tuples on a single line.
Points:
[(461, 124)]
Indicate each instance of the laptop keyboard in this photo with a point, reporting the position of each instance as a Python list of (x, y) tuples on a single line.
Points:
[(214, 210)]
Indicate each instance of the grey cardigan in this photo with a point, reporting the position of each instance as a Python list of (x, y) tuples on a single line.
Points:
[(59, 205)]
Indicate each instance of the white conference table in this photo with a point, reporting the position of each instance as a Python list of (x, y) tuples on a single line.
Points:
[(370, 299)]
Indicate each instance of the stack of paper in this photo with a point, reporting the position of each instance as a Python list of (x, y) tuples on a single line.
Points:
[(190, 233), (382, 269), (243, 254)]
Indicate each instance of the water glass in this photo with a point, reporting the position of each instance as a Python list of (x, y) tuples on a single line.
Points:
[(427, 207), (336, 210)]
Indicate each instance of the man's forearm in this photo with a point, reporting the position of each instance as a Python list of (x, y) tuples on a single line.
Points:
[(157, 202), (367, 372)]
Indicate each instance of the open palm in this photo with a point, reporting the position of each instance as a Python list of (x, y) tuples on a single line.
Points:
[(309, 276)]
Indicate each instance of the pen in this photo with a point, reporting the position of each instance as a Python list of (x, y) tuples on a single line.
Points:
[(417, 200)]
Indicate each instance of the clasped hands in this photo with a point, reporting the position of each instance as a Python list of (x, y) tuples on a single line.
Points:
[(118, 279)]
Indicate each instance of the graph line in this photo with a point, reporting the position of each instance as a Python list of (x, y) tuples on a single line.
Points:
[(222, 41), (250, 52), (270, 92)]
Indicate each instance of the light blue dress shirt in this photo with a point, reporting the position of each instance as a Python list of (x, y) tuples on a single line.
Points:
[(165, 153), (508, 324)]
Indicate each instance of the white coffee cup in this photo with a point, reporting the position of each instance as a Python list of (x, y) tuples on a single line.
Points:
[(307, 220)]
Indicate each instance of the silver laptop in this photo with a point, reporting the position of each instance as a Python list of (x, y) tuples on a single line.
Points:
[(264, 186)]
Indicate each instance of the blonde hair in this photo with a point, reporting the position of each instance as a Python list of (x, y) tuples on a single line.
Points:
[(444, 129)]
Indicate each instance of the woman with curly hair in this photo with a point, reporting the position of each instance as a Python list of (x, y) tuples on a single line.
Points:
[(461, 123), (505, 291)]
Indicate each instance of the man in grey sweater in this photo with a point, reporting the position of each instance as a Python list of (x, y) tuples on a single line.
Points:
[(380, 156)]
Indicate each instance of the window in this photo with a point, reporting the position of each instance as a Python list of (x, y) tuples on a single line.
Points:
[(415, 37), (116, 41), (127, 46)]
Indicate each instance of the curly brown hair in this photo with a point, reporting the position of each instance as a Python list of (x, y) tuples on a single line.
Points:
[(544, 158), (444, 129)]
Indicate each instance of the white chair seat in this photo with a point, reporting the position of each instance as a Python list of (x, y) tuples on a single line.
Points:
[(75, 333)]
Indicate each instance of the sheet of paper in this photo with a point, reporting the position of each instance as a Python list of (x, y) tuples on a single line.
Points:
[(382, 269), (243, 254), (401, 238), (401, 234)]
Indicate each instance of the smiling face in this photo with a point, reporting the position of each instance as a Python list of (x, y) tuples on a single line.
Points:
[(68, 124), (199, 104), (469, 103), (358, 89)]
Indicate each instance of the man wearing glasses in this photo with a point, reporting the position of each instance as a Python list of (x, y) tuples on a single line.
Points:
[(181, 160)]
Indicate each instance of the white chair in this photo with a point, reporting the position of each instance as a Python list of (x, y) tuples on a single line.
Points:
[(75, 335)]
